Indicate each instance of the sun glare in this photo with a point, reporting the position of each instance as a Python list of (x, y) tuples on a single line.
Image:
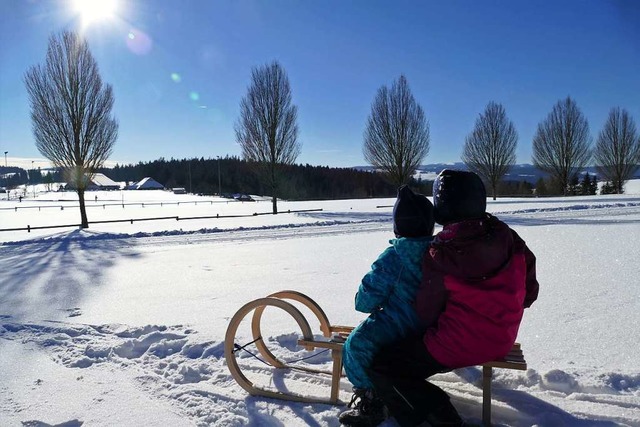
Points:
[(95, 10)]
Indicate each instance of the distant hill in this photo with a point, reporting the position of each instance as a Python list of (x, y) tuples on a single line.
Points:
[(520, 172)]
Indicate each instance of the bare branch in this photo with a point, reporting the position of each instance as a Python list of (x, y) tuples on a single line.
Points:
[(562, 143), (490, 150), (267, 129), (71, 110), (617, 152), (396, 139)]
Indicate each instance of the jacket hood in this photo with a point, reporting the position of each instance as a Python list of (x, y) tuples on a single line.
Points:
[(411, 249), (487, 242)]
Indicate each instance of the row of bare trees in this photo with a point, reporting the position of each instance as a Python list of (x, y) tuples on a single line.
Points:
[(74, 129), (562, 145), (396, 141)]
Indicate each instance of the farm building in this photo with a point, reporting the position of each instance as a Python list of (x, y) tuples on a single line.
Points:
[(98, 181), (146, 184)]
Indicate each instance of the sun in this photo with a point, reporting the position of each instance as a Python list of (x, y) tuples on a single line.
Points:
[(91, 11)]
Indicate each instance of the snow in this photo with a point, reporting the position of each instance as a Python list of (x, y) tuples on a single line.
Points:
[(123, 324)]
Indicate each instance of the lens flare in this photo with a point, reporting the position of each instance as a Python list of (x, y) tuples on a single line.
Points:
[(176, 77), (194, 96), (139, 42)]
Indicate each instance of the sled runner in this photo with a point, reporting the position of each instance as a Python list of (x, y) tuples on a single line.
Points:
[(333, 337), (334, 334)]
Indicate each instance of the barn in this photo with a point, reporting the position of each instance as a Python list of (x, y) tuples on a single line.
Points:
[(146, 184)]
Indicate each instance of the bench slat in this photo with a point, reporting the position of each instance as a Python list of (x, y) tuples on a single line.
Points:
[(521, 366)]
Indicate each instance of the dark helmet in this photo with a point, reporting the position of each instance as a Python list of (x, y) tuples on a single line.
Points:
[(412, 214), (457, 196)]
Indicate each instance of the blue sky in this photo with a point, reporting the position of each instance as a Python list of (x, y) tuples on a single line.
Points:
[(180, 68)]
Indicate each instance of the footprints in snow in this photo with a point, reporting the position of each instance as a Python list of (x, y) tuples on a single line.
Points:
[(81, 346)]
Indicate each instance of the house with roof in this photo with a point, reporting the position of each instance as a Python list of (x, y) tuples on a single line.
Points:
[(103, 182), (147, 183), (95, 182)]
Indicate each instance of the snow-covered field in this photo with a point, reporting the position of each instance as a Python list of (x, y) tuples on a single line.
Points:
[(123, 324)]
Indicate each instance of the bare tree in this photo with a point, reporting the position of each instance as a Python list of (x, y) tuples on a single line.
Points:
[(396, 139), (617, 152), (267, 129), (490, 150), (70, 111), (562, 144)]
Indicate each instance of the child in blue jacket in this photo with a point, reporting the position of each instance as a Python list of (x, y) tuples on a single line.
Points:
[(387, 292)]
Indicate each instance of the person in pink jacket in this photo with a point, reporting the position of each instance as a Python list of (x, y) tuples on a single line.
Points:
[(478, 277)]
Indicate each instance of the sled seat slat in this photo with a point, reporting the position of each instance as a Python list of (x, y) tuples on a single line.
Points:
[(341, 329)]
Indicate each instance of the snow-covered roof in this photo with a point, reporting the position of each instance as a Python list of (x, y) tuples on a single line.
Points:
[(147, 183), (102, 180)]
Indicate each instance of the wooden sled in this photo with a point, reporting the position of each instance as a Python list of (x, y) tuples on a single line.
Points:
[(334, 334), (334, 339)]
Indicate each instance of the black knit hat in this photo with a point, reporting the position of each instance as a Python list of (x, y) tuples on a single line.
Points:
[(457, 196), (412, 214)]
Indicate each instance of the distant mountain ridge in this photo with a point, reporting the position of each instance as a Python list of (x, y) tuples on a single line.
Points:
[(520, 172)]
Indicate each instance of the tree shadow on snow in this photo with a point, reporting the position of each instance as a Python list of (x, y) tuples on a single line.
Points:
[(544, 413), (525, 409), (48, 278)]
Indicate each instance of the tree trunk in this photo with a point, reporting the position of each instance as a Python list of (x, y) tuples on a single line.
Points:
[(274, 185), (83, 210)]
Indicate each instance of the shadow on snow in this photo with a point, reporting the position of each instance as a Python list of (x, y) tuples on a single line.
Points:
[(45, 278)]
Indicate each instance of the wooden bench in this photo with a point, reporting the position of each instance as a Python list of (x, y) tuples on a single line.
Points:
[(514, 360), (333, 340)]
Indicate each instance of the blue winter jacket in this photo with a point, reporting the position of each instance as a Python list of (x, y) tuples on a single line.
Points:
[(388, 293)]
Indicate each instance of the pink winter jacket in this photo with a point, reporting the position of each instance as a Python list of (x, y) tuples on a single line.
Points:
[(478, 276)]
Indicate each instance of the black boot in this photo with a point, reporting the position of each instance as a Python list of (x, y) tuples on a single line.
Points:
[(366, 410)]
